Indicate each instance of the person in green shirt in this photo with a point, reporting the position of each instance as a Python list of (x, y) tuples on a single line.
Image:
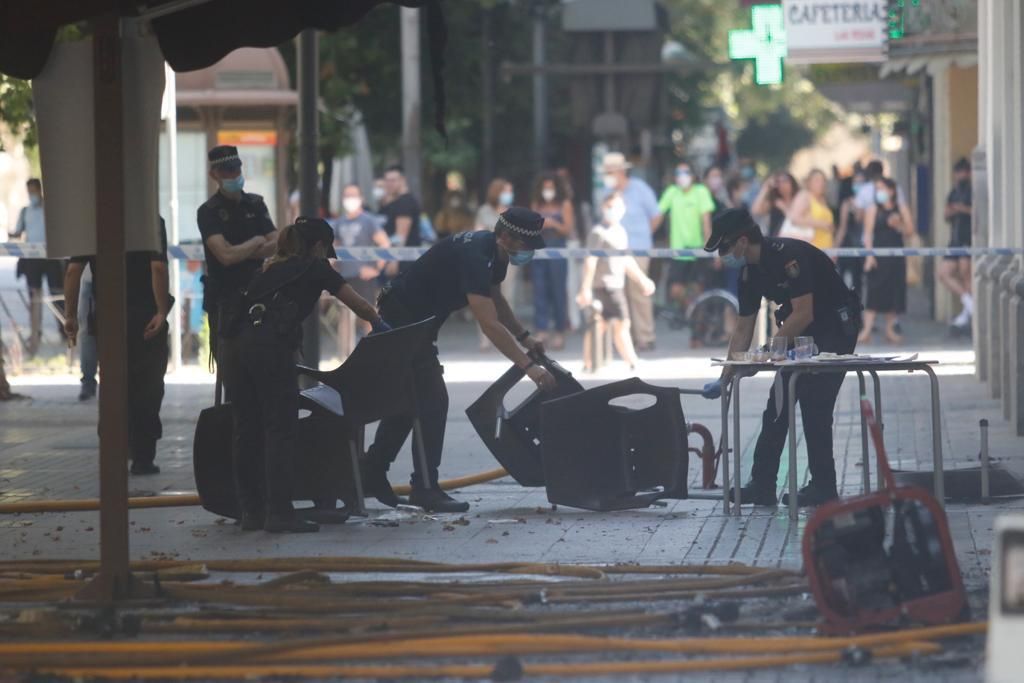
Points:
[(689, 205)]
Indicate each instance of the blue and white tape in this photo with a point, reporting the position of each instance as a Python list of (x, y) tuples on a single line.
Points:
[(194, 252)]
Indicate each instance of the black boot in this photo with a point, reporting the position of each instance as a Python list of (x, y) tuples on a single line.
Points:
[(813, 495), (436, 500), (143, 468), (143, 455), (376, 485), (756, 494)]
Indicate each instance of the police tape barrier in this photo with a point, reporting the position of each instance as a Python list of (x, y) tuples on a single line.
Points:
[(194, 252)]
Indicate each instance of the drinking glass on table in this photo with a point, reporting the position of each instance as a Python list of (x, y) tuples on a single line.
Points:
[(803, 348), (777, 350)]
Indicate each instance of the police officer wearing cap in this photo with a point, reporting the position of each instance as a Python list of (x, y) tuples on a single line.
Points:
[(264, 378), (237, 235), (813, 301), (464, 269)]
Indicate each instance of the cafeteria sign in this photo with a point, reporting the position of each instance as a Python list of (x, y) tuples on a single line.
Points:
[(835, 31)]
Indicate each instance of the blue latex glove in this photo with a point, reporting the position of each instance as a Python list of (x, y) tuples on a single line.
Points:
[(713, 390), (380, 327)]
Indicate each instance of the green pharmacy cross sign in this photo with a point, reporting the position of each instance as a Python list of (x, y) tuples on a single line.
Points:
[(765, 43)]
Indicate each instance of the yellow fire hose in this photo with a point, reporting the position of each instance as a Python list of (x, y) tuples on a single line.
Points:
[(477, 671), (192, 499), (490, 644)]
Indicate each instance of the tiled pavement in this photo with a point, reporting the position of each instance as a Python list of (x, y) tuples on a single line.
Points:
[(48, 451)]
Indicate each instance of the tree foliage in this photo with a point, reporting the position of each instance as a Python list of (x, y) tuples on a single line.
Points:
[(16, 110)]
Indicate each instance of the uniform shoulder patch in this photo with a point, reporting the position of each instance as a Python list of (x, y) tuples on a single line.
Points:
[(792, 269)]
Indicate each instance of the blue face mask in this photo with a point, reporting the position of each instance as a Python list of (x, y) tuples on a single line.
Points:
[(506, 198), (233, 185), (881, 196), (733, 261), (34, 200), (520, 258)]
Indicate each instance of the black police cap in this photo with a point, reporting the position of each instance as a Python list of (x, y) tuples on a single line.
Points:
[(524, 225), (727, 224), (315, 231), (224, 156)]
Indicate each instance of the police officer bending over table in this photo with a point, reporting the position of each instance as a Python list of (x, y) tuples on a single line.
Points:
[(264, 379), (464, 269), (814, 302), (148, 302), (237, 235)]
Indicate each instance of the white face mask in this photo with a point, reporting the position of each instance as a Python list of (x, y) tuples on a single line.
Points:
[(610, 182), (352, 204), (378, 193), (684, 180), (548, 194)]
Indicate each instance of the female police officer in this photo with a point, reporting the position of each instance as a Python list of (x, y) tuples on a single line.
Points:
[(265, 401)]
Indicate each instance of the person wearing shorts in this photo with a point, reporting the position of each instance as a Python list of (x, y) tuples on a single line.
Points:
[(604, 282), (955, 271)]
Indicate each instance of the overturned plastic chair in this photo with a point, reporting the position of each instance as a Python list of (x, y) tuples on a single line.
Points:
[(513, 435), (376, 381), (600, 455)]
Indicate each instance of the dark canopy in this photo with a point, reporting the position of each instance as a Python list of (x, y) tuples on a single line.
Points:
[(195, 36)]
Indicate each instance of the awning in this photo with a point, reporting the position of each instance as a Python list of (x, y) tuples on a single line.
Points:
[(931, 64)]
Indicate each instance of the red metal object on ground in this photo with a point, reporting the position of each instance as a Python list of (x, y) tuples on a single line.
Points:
[(883, 558), (707, 454)]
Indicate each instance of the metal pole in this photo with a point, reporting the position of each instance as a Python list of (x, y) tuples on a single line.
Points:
[(308, 190), (411, 100), (609, 80), (172, 210), (985, 495), (540, 89), (114, 575), (487, 95)]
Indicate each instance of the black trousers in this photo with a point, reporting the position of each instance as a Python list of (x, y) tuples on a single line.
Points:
[(266, 412), (431, 403), (816, 395), (147, 365)]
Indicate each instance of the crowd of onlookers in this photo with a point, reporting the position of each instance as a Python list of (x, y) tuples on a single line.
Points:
[(862, 208)]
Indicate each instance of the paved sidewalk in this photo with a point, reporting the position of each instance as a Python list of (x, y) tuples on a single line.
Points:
[(48, 451)]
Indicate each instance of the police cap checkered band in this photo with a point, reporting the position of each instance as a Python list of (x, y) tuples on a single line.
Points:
[(223, 155), (525, 225), (524, 231)]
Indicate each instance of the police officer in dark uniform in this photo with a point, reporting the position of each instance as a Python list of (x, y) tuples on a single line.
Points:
[(237, 235), (264, 377), (148, 302), (464, 269), (813, 301)]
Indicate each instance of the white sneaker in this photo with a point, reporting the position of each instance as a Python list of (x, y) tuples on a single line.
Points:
[(962, 320), (968, 303)]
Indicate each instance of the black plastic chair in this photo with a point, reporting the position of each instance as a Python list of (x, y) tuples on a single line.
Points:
[(602, 456), (375, 382), (514, 436)]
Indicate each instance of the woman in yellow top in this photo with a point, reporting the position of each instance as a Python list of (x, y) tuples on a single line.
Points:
[(811, 213)]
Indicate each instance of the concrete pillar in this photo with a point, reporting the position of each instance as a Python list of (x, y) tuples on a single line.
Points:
[(980, 226), (982, 180), (1006, 345), (1015, 371), (942, 178)]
